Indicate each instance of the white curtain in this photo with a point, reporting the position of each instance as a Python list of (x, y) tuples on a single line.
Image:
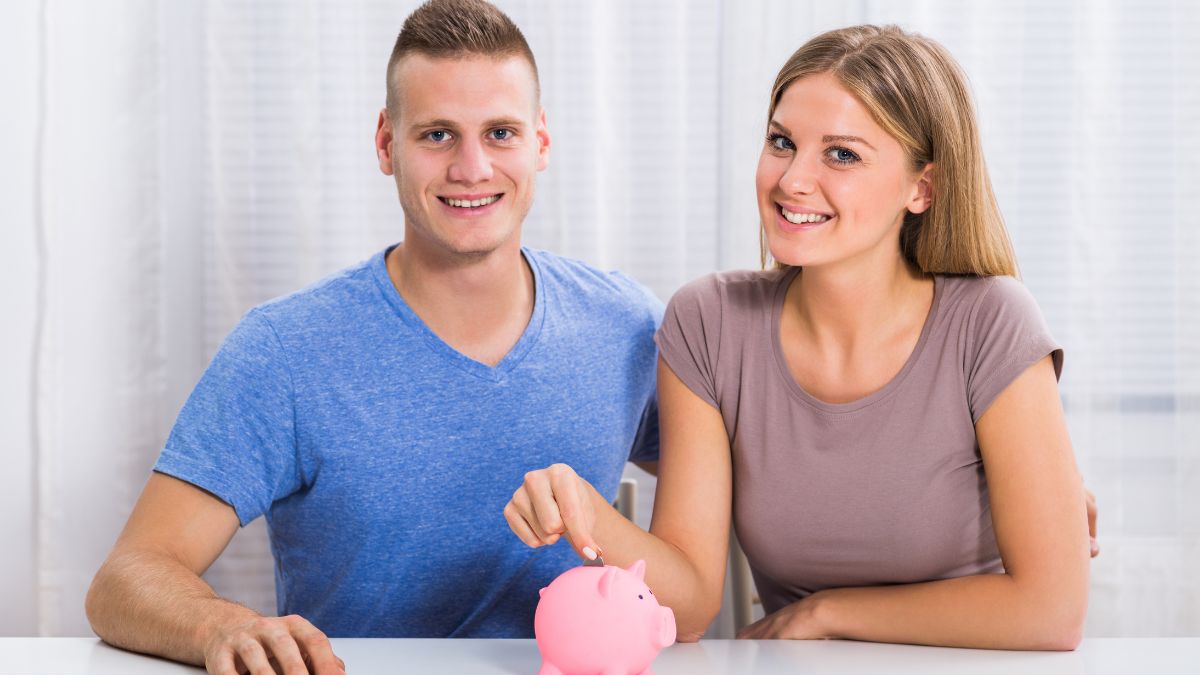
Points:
[(169, 165)]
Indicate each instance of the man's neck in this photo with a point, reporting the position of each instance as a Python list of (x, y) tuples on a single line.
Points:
[(480, 306)]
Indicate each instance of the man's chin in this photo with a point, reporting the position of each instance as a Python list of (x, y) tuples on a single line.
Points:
[(478, 250)]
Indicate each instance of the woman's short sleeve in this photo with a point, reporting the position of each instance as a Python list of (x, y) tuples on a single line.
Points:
[(1006, 336), (690, 336)]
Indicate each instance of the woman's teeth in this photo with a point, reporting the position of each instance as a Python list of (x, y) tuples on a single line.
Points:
[(803, 217), (471, 203)]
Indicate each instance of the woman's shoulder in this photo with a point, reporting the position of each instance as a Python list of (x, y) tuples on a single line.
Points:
[(977, 298), (731, 290)]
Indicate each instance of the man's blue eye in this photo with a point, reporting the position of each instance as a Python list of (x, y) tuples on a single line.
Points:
[(438, 136), (501, 134)]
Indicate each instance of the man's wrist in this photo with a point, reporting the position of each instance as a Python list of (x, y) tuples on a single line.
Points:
[(218, 615)]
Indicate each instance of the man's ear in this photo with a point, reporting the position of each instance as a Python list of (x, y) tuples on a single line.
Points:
[(922, 195), (543, 139), (383, 142)]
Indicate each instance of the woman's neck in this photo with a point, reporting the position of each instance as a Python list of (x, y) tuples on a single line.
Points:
[(853, 303)]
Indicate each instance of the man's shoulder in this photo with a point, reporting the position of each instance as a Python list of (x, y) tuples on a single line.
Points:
[(327, 302), (574, 282)]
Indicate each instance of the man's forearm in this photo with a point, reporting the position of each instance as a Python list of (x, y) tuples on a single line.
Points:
[(986, 611), (151, 603)]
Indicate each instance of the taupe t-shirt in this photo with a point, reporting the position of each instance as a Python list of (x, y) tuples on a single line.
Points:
[(888, 489)]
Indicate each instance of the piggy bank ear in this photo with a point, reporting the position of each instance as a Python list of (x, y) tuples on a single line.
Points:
[(606, 582), (541, 592), (638, 569)]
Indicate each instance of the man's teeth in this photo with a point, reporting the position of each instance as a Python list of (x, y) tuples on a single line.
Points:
[(803, 217), (472, 203)]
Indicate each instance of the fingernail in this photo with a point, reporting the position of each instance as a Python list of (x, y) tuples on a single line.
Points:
[(589, 553)]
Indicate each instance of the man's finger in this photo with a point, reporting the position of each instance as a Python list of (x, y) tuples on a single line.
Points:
[(1092, 512), (253, 656), (317, 648), (222, 663), (286, 652)]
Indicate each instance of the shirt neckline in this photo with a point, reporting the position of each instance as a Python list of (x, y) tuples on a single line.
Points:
[(883, 392), (481, 370)]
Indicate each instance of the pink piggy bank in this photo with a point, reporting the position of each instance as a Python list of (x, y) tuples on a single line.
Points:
[(595, 620)]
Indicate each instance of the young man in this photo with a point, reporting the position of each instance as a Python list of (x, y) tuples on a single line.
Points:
[(380, 417)]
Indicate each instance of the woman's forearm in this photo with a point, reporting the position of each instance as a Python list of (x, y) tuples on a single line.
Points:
[(670, 574), (993, 611)]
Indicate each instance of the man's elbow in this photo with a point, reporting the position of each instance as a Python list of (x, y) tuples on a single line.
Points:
[(94, 602)]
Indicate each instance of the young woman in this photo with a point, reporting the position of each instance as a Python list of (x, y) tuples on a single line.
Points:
[(879, 414)]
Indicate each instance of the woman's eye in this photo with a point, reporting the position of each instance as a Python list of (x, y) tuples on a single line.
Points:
[(842, 156), (780, 143)]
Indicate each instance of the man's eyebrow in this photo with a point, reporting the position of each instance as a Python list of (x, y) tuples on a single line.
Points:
[(505, 122), (448, 124), (433, 123)]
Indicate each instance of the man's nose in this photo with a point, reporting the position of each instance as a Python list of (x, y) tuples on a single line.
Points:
[(471, 163)]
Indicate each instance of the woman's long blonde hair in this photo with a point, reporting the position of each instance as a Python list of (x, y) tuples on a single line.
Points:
[(915, 90)]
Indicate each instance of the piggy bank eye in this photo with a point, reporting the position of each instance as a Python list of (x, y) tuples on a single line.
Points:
[(639, 596)]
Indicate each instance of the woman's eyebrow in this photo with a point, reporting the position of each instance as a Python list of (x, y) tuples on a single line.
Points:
[(846, 139)]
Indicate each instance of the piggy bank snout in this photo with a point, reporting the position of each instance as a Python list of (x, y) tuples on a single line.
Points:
[(665, 633)]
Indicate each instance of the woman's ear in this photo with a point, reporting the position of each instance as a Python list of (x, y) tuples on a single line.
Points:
[(922, 195)]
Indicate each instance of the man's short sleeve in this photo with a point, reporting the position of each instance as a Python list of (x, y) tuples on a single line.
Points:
[(235, 436), (690, 336), (1007, 335), (645, 444)]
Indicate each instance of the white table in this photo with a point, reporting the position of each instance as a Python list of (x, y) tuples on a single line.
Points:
[(88, 656)]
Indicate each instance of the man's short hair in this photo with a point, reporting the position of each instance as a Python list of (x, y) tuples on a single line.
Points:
[(452, 29)]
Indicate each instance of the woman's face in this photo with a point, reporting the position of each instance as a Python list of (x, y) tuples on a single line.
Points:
[(833, 185)]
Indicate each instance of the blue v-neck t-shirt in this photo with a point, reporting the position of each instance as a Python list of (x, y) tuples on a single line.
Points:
[(382, 458)]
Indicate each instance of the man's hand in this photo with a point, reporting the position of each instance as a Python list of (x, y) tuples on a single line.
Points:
[(1091, 516), (293, 643), (553, 502)]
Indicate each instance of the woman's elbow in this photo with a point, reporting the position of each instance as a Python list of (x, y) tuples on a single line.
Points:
[(1059, 624), (1064, 639), (690, 625)]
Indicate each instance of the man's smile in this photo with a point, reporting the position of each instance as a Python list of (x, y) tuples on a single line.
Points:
[(470, 201)]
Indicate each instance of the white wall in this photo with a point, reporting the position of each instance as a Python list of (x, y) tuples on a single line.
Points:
[(18, 307)]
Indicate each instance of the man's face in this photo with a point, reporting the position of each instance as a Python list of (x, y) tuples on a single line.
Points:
[(467, 140)]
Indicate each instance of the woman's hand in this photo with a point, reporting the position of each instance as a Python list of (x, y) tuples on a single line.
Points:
[(551, 503), (797, 621)]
